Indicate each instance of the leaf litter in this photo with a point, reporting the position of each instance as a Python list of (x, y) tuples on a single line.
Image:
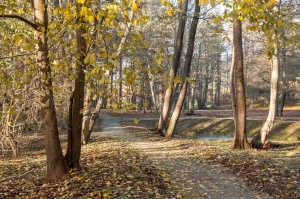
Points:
[(109, 170), (275, 171), (112, 168)]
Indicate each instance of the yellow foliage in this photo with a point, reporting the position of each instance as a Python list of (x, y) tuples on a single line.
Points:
[(134, 7), (169, 12), (91, 18), (84, 11), (81, 1), (55, 12)]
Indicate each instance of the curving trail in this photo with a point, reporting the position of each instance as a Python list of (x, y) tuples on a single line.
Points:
[(199, 180)]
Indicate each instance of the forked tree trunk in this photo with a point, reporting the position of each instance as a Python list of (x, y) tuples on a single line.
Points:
[(56, 164), (240, 138), (74, 145), (94, 115), (164, 115), (187, 68), (261, 140)]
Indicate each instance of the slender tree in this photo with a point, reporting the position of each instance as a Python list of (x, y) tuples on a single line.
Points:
[(164, 115), (186, 75), (91, 116), (260, 140)]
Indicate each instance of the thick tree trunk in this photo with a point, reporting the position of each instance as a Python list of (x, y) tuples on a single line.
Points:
[(164, 115), (187, 67), (74, 146), (268, 124), (56, 164), (240, 138)]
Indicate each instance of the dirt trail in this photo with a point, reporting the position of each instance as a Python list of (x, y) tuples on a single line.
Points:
[(198, 179)]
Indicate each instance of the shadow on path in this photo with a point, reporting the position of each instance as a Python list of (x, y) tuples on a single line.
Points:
[(198, 179)]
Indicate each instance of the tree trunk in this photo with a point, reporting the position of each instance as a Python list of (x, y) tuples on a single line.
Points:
[(191, 99), (282, 102), (187, 67), (164, 115), (94, 117), (56, 164), (218, 83), (74, 146), (150, 77), (240, 138), (263, 142), (283, 67), (86, 116), (232, 95), (205, 90)]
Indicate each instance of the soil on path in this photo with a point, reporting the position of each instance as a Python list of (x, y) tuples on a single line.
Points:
[(199, 180)]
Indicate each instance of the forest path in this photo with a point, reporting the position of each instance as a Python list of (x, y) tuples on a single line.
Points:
[(199, 180)]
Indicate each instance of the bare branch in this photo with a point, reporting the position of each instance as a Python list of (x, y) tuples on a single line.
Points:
[(19, 55), (33, 25)]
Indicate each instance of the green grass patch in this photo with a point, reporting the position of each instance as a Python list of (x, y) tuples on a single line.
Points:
[(282, 130)]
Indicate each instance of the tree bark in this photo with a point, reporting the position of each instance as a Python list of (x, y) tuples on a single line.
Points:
[(187, 68), (240, 138), (164, 115), (56, 164), (283, 67), (86, 116), (205, 89), (74, 146), (150, 77), (218, 83), (232, 95), (191, 99), (268, 124), (95, 115)]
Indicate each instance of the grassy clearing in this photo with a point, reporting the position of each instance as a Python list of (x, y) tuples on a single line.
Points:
[(282, 130)]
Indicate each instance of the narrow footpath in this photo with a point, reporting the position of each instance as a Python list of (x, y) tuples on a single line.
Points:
[(198, 179)]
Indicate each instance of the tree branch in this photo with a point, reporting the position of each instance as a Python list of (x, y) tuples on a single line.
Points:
[(18, 55), (33, 25)]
